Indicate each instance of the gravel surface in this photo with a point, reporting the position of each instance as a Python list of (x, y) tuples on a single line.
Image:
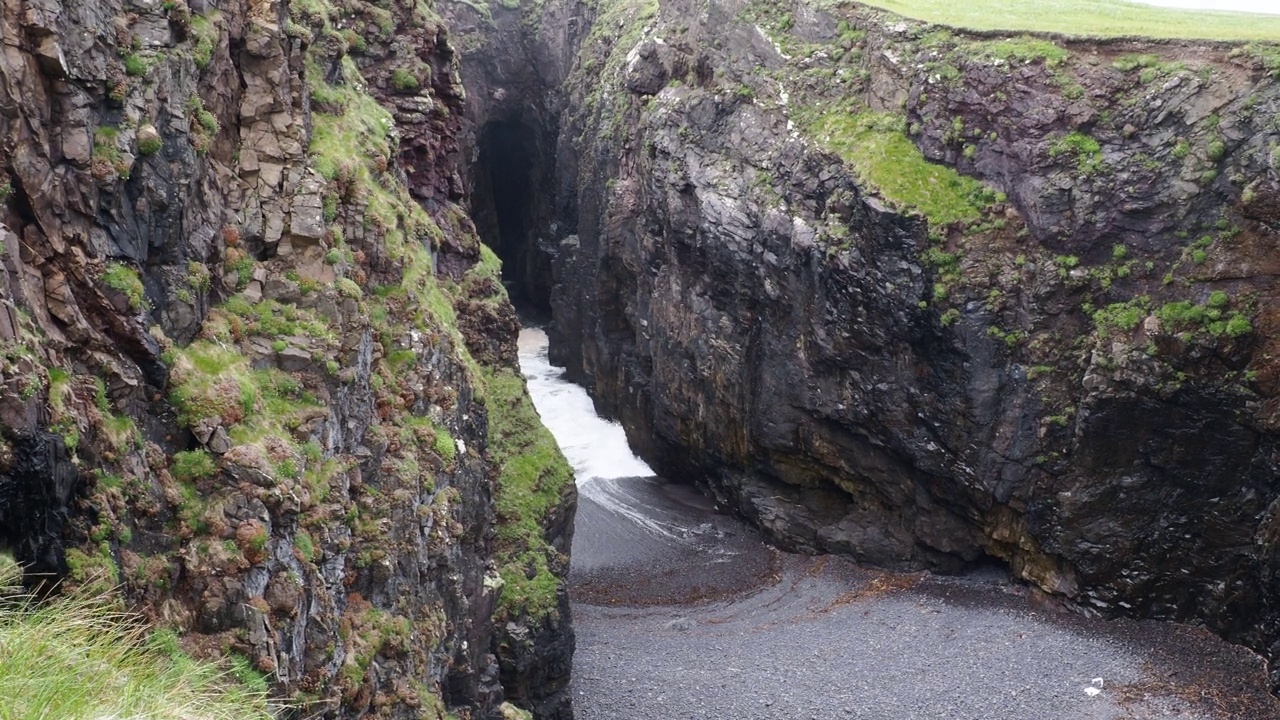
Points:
[(684, 613)]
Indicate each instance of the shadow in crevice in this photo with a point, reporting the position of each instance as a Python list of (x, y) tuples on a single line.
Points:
[(509, 202), (37, 492)]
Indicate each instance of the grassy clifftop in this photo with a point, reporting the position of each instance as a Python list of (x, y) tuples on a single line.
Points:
[(1102, 18)]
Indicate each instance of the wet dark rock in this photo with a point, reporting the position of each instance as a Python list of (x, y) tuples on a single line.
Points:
[(761, 322), (37, 485), (163, 190)]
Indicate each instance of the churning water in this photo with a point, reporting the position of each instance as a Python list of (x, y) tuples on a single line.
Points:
[(682, 612), (603, 463), (596, 448)]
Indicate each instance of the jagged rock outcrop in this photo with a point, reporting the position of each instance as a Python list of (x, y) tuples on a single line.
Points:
[(1067, 364), (232, 382)]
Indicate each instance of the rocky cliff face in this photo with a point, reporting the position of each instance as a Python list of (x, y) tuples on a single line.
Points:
[(926, 298), (257, 369), (513, 61)]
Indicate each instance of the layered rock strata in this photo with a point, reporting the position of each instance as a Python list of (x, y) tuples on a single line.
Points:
[(927, 298)]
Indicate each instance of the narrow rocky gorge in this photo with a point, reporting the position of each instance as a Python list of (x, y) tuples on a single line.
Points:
[(258, 372), (923, 298)]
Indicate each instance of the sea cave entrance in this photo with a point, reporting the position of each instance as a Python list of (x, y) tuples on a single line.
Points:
[(511, 209)]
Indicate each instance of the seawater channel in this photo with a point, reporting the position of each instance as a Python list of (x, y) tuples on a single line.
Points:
[(682, 611)]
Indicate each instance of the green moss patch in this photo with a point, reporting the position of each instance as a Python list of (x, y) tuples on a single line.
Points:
[(125, 279), (1086, 151), (532, 482), (879, 151)]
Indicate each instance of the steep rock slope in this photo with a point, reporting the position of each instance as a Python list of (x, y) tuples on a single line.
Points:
[(513, 59), (1061, 356), (233, 382)]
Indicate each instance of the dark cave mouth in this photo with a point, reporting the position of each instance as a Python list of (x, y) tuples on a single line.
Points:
[(511, 208)]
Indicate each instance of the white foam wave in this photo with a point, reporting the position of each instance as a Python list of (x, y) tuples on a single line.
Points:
[(595, 447)]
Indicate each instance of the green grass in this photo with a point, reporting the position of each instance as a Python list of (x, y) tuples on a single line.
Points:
[(404, 80), (214, 380), (125, 279), (444, 444), (191, 465), (1020, 50), (1086, 151), (305, 545), (78, 657), (205, 32), (354, 142), (533, 477), (1179, 316), (1122, 317), (883, 156), (273, 319), (134, 66), (1087, 17), (1184, 316), (150, 145)]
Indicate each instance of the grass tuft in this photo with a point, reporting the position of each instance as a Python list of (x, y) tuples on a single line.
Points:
[(122, 278), (79, 657), (883, 156)]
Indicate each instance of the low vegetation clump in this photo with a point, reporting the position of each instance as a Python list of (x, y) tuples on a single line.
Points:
[(404, 81), (105, 158), (205, 32), (879, 151), (150, 145), (192, 465), (214, 380), (1176, 317), (79, 657), (1188, 317), (122, 278), (1268, 54), (134, 66), (204, 125), (1086, 151), (1121, 317)]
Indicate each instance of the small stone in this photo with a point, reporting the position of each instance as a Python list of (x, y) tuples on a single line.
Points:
[(49, 55), (203, 430), (219, 443), (147, 134), (293, 359), (282, 289)]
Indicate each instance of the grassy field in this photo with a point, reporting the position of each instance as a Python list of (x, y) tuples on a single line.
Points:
[(1087, 17)]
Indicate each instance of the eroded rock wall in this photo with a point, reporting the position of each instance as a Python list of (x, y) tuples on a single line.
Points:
[(515, 61), (515, 58), (253, 349), (1068, 366)]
